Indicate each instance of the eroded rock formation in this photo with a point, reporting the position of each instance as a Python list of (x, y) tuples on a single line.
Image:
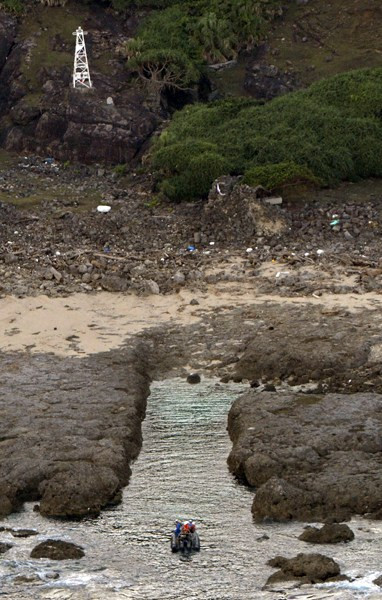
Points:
[(309, 457), (66, 443)]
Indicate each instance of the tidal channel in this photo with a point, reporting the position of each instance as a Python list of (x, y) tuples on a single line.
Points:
[(181, 473)]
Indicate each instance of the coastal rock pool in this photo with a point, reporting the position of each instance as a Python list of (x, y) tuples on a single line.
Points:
[(180, 473)]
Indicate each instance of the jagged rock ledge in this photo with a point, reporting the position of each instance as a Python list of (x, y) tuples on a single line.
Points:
[(310, 458), (74, 428)]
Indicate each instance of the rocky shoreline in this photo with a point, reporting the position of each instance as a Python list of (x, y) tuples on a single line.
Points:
[(311, 458), (70, 430), (54, 241), (271, 295), (77, 462)]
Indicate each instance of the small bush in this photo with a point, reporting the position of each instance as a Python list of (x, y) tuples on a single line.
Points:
[(280, 175), (195, 181), (120, 169), (15, 6)]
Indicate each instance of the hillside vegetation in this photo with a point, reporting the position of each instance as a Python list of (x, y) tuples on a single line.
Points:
[(174, 43), (328, 133), (177, 38)]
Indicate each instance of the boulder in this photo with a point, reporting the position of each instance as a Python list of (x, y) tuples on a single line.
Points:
[(57, 550), (114, 283), (4, 547), (193, 378), (330, 533), (279, 500), (23, 533), (150, 287), (6, 506), (307, 568)]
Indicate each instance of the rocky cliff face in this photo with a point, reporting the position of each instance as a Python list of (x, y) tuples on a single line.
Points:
[(39, 110)]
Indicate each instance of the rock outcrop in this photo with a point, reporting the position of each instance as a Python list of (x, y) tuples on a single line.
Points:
[(4, 547), (310, 457), (43, 114), (330, 533), (57, 550), (66, 443), (303, 351), (306, 568)]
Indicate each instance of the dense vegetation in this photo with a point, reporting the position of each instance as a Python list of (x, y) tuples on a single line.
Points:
[(173, 43), (327, 133)]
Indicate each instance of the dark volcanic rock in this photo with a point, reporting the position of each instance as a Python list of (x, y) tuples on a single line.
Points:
[(330, 533), (265, 82), (311, 457), (83, 489), (57, 550), (4, 547), (290, 348), (76, 457), (5, 505), (307, 568), (193, 378), (281, 501), (7, 35), (23, 533), (45, 115), (113, 283), (84, 128)]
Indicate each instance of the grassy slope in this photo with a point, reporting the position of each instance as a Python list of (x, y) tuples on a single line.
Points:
[(341, 35)]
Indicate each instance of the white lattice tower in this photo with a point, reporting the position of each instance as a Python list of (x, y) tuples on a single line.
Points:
[(81, 74)]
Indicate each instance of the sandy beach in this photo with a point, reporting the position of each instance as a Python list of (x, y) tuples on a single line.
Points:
[(83, 324)]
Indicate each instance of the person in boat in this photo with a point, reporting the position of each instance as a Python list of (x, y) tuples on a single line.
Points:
[(185, 528), (188, 527), (178, 528)]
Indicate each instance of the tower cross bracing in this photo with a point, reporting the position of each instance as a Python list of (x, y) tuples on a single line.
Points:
[(81, 73)]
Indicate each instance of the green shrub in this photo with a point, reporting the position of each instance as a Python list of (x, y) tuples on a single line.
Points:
[(15, 6), (197, 31), (120, 169), (276, 176), (325, 134), (195, 180)]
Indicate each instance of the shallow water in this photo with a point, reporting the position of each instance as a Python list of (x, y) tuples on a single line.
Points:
[(180, 473)]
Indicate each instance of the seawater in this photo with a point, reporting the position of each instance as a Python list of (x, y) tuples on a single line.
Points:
[(181, 473)]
